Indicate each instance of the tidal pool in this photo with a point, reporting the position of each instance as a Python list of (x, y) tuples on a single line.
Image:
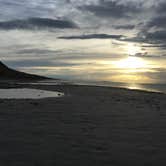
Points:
[(27, 93)]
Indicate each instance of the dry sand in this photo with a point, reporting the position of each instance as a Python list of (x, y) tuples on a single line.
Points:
[(90, 126)]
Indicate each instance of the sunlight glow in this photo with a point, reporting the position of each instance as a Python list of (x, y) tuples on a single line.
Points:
[(129, 69), (131, 78), (133, 49), (130, 63)]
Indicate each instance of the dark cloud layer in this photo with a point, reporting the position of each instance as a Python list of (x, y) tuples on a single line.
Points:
[(37, 51), (39, 23), (125, 27), (112, 9), (157, 22), (161, 9), (156, 37), (40, 63), (141, 21), (93, 36)]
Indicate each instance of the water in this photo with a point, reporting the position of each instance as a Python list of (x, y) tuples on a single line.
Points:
[(27, 93), (145, 87)]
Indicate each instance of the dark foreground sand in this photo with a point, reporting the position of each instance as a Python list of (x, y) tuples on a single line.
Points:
[(90, 126)]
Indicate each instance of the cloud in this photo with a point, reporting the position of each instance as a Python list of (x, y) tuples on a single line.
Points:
[(36, 23), (153, 31), (27, 63), (157, 22), (93, 36), (161, 9), (125, 27), (161, 46), (112, 9), (37, 51), (156, 37), (95, 18), (141, 54), (40, 63)]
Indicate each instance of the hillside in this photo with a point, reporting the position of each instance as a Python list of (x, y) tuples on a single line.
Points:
[(7, 73)]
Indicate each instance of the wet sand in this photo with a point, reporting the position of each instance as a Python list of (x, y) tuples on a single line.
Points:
[(89, 126)]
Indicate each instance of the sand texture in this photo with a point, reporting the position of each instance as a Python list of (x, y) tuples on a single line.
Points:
[(89, 126)]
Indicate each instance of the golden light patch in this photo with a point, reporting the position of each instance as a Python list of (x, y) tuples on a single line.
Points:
[(132, 49), (131, 78), (130, 63)]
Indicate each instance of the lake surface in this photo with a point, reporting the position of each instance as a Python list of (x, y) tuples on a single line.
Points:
[(146, 87)]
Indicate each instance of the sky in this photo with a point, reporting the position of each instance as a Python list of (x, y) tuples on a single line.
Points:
[(70, 38)]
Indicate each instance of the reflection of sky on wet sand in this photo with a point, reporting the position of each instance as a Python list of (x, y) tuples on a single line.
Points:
[(26, 93)]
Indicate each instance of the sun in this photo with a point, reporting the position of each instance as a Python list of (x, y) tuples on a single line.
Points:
[(130, 63)]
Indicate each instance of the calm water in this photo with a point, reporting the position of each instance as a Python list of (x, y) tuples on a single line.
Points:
[(26, 93), (146, 87)]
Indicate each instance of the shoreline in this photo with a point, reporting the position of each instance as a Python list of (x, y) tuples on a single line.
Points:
[(59, 82)]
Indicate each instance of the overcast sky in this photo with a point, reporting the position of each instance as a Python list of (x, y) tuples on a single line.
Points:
[(126, 15), (137, 20), (80, 29)]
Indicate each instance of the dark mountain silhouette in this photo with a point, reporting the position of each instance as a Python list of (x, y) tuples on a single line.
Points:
[(10, 74)]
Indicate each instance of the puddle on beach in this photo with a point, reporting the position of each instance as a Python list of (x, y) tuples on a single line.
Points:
[(26, 93)]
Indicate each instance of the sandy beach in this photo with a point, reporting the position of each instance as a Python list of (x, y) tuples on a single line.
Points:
[(92, 126)]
